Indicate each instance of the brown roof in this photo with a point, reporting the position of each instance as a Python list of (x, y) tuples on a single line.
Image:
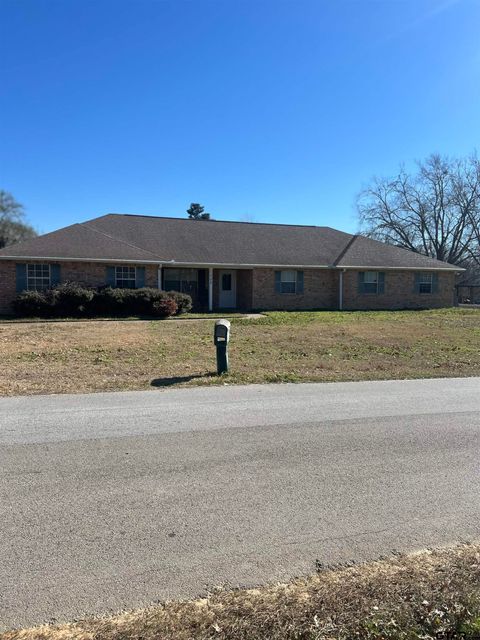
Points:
[(365, 252), (121, 237)]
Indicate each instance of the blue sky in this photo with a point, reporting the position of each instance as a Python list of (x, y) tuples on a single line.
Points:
[(266, 110)]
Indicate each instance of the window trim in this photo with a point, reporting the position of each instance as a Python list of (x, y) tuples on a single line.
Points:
[(423, 282), (289, 282), (34, 278), (378, 282), (123, 279), (298, 283)]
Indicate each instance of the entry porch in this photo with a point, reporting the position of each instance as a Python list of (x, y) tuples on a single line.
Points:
[(210, 288)]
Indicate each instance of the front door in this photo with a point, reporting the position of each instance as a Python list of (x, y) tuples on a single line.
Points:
[(227, 298)]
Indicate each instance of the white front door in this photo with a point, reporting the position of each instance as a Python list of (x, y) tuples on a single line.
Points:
[(227, 298)]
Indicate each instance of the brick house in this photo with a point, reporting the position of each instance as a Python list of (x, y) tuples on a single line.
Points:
[(229, 265)]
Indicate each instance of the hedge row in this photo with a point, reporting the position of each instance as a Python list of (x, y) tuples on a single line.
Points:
[(73, 300)]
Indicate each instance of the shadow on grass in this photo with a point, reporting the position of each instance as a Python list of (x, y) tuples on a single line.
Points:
[(168, 382)]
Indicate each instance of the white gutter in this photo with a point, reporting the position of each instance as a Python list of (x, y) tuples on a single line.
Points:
[(229, 265), (384, 268), (57, 259)]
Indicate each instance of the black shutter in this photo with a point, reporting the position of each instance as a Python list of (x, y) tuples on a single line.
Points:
[(21, 279), (278, 282), (361, 281)]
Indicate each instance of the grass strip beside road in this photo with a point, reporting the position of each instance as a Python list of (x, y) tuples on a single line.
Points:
[(322, 346), (414, 597)]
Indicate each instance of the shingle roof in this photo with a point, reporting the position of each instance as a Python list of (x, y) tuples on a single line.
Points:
[(79, 241), (138, 238), (365, 252)]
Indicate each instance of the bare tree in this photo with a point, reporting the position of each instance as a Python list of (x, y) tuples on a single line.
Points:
[(13, 227), (434, 211)]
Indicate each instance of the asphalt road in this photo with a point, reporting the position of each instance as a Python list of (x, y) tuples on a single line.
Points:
[(115, 500)]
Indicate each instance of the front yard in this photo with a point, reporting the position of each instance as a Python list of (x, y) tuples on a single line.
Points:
[(106, 355)]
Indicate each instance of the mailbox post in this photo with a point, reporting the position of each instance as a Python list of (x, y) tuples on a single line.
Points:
[(221, 337)]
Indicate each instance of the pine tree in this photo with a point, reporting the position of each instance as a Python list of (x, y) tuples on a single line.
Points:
[(197, 212)]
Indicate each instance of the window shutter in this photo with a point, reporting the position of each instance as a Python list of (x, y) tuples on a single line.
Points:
[(381, 282), (435, 283), (299, 281), (110, 276), (416, 285), (140, 277), (21, 277), (54, 275), (278, 282), (361, 280)]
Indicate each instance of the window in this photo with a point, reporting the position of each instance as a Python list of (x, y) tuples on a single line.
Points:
[(38, 277), (371, 282), (125, 277), (226, 282), (289, 281), (183, 280), (425, 282)]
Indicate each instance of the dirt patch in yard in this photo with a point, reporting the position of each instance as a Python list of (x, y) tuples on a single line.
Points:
[(419, 596), (71, 357)]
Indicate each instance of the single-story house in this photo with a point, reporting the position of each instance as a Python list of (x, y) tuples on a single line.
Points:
[(229, 265)]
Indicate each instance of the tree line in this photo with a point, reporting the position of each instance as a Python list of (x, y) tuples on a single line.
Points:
[(13, 225), (434, 210)]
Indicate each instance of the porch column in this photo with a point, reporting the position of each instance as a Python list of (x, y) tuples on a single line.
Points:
[(210, 288), (159, 280)]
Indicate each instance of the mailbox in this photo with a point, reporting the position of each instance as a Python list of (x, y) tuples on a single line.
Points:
[(221, 337), (221, 332)]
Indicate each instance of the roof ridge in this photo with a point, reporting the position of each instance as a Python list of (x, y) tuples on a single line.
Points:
[(271, 224), (129, 244)]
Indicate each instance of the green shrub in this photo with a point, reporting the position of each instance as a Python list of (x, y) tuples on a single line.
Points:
[(182, 300), (33, 304), (165, 307), (140, 301), (71, 299), (107, 301)]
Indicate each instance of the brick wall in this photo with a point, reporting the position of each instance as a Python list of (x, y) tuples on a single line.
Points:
[(399, 292), (320, 291), (244, 289), (256, 288), (7, 285), (92, 274)]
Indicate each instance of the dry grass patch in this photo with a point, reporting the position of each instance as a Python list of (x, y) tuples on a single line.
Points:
[(420, 596), (61, 357)]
